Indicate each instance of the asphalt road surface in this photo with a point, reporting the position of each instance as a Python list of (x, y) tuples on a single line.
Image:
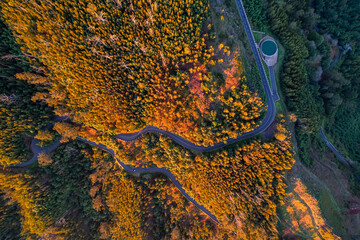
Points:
[(154, 170), (268, 119), (273, 84), (334, 150), (338, 155)]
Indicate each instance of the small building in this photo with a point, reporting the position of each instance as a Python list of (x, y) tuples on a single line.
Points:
[(268, 50)]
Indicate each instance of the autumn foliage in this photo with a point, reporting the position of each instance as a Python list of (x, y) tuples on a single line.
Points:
[(44, 135), (303, 215), (240, 185), (44, 159), (119, 66), (22, 189), (160, 210)]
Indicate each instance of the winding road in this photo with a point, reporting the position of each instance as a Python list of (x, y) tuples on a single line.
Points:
[(268, 119), (270, 98), (154, 170)]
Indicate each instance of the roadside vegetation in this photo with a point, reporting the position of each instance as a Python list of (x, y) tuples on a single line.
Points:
[(301, 216), (319, 83), (183, 66), (160, 64), (20, 118), (313, 90), (240, 184)]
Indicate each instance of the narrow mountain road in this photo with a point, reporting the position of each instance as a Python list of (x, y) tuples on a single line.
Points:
[(154, 170), (268, 119), (334, 150), (270, 98), (338, 155), (36, 149), (273, 84)]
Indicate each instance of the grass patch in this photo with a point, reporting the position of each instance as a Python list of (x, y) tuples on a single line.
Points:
[(229, 30), (279, 107), (281, 53), (328, 206), (258, 36), (330, 209), (331, 212)]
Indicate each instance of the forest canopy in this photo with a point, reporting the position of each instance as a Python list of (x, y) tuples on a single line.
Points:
[(120, 66), (20, 118), (117, 66)]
